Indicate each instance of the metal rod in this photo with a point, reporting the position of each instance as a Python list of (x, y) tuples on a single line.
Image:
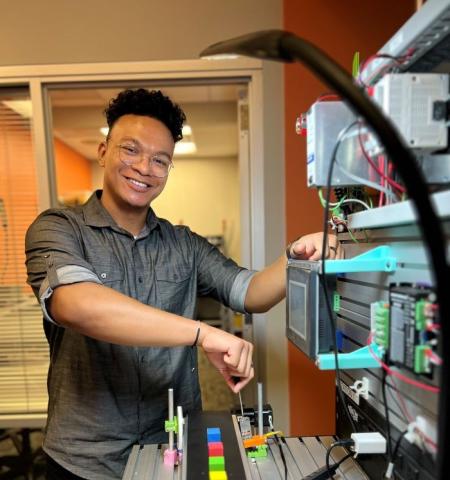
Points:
[(180, 429), (260, 409), (240, 401), (171, 436)]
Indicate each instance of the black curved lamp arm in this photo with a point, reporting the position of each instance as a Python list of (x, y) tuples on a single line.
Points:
[(286, 47)]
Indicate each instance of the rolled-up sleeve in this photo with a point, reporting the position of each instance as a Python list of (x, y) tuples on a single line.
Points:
[(54, 256), (220, 277)]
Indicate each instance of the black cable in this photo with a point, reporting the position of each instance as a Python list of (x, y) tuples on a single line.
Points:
[(386, 413), (397, 445), (283, 458), (341, 443), (322, 274)]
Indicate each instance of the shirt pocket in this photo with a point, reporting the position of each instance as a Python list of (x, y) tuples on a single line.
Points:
[(110, 274), (174, 288)]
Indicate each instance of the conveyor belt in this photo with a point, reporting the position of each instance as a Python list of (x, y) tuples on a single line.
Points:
[(303, 456)]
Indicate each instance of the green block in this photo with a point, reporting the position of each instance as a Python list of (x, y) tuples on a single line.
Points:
[(171, 425), (336, 302), (216, 464), (421, 320), (260, 452), (421, 363)]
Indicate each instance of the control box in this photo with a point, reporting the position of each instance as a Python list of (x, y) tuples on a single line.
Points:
[(308, 325), (324, 122), (417, 105)]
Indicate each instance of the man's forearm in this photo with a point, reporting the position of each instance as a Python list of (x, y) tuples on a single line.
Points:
[(104, 314), (267, 287)]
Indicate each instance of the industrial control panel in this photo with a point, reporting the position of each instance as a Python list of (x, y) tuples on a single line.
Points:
[(384, 311)]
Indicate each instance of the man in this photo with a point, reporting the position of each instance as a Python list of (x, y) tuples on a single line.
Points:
[(118, 287)]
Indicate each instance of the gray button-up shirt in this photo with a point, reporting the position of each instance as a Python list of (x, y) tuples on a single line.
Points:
[(103, 398)]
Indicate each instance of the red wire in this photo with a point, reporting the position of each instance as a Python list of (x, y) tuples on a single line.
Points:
[(403, 378), (328, 96), (407, 415), (397, 60), (372, 164), (382, 183)]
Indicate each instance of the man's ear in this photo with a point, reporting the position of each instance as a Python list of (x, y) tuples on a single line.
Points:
[(101, 151)]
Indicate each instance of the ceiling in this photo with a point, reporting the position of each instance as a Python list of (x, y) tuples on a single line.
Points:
[(211, 111)]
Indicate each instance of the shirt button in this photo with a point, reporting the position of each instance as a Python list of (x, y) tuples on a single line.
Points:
[(103, 275), (140, 280)]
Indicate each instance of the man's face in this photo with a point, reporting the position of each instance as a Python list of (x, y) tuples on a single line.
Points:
[(134, 185)]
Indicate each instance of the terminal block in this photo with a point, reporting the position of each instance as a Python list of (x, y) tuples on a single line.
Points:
[(413, 336)]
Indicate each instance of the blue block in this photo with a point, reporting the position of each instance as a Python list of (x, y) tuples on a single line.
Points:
[(213, 435)]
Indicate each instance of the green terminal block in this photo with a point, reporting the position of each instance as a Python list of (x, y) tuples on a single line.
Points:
[(216, 464), (171, 425), (336, 302), (421, 319), (259, 452), (421, 363), (382, 325)]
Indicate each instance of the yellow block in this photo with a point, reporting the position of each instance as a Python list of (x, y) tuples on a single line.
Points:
[(218, 475)]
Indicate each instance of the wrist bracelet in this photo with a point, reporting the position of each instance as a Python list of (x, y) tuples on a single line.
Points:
[(196, 338)]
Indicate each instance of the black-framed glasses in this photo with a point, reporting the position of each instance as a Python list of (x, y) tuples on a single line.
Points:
[(131, 154)]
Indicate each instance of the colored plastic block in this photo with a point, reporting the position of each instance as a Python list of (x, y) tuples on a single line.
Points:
[(171, 425), (216, 464), (215, 449), (255, 441), (213, 435), (218, 475), (421, 362), (170, 457), (379, 259), (260, 452), (421, 319), (361, 358)]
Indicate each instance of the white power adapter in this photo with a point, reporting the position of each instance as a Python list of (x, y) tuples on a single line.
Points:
[(368, 442)]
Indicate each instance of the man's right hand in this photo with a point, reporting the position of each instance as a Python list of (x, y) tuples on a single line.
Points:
[(232, 356)]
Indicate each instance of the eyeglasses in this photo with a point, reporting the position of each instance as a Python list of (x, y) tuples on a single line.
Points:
[(132, 154)]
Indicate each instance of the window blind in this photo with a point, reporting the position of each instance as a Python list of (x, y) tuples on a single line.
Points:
[(23, 347)]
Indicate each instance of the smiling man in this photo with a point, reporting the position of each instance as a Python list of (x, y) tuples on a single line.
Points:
[(118, 289)]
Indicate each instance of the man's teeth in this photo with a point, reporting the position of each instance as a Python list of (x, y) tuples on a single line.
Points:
[(139, 184)]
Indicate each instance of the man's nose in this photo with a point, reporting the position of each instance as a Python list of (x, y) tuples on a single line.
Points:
[(144, 166)]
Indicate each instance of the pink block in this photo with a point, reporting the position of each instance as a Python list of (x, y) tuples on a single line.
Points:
[(215, 449), (170, 457)]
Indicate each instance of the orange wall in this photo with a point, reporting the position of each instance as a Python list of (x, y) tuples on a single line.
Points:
[(18, 192), (339, 28), (73, 171)]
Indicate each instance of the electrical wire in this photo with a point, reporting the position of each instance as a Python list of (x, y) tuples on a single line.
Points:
[(374, 166), (323, 273), (356, 200), (278, 441), (403, 378), (341, 443), (386, 414)]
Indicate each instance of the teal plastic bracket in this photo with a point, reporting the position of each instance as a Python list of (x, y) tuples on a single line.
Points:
[(361, 358), (379, 259)]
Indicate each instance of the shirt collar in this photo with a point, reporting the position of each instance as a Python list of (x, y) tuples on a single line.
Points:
[(96, 215)]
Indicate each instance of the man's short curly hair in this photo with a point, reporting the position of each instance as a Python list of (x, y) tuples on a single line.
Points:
[(150, 104)]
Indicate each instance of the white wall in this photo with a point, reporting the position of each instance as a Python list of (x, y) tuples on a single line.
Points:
[(67, 31), (204, 194)]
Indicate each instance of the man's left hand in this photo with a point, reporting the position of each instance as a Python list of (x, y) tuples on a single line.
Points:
[(309, 247)]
